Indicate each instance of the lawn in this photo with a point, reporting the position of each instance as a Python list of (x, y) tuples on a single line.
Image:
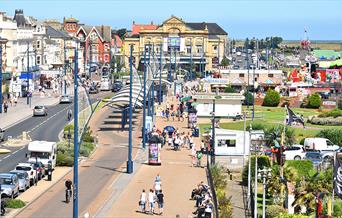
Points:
[(269, 116)]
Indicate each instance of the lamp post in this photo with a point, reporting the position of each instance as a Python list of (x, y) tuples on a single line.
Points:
[(28, 73), (2, 41), (160, 74), (130, 162), (144, 102), (249, 167), (212, 158), (191, 61), (64, 68), (264, 174), (75, 200)]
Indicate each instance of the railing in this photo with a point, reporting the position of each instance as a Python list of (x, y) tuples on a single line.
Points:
[(213, 192)]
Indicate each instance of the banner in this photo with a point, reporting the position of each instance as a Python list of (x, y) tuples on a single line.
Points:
[(338, 176)]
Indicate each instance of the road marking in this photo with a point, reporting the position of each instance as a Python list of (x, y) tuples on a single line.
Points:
[(6, 157), (15, 152)]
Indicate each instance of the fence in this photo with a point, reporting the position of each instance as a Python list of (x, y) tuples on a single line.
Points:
[(213, 192)]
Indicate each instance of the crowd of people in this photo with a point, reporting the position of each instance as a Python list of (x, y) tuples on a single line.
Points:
[(204, 204), (155, 196)]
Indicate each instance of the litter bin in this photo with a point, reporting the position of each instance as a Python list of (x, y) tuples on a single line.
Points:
[(154, 148)]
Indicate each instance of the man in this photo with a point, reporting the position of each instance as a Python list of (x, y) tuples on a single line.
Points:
[(160, 197), (151, 197)]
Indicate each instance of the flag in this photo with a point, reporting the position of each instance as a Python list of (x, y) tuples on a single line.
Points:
[(292, 117), (338, 177)]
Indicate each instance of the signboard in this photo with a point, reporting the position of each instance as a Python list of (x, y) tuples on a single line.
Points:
[(216, 80), (51, 72), (192, 118), (149, 123), (329, 103)]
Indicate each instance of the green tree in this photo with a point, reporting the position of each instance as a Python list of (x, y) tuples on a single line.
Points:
[(121, 33), (275, 132), (248, 98), (229, 89), (334, 135), (225, 61), (314, 101), (272, 98)]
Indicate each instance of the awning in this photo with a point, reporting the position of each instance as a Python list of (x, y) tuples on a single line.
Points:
[(186, 99)]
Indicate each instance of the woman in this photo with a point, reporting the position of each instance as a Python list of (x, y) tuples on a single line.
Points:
[(142, 201), (193, 156)]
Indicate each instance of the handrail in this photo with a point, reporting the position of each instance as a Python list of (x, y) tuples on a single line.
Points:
[(213, 192)]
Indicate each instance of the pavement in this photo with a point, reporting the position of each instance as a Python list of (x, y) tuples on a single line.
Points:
[(177, 175)]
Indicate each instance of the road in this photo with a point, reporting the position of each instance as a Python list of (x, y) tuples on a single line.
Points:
[(94, 175), (39, 128)]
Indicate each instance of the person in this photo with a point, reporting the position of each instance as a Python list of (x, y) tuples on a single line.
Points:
[(160, 197), (199, 157), (191, 142), (167, 114), (158, 178), (202, 147), (15, 98), (193, 156), (69, 114), (151, 201), (68, 185), (5, 106), (157, 186), (142, 201)]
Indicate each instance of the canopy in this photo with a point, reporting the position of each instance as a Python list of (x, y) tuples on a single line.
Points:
[(186, 99), (170, 129), (336, 63)]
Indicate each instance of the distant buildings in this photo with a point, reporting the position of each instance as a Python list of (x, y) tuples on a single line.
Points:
[(201, 44)]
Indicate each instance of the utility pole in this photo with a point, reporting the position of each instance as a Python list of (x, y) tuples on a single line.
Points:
[(254, 84), (191, 60), (247, 62), (2, 41), (64, 68), (28, 73), (160, 73), (144, 101), (213, 135), (75, 200), (130, 162), (256, 185), (90, 57)]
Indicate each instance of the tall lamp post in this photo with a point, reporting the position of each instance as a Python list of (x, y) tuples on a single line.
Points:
[(264, 174), (130, 162), (75, 200), (212, 158), (2, 42), (144, 102), (160, 74), (28, 73)]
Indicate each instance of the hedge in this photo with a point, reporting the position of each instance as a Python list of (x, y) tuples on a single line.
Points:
[(271, 99), (302, 167), (274, 210), (332, 113), (14, 203)]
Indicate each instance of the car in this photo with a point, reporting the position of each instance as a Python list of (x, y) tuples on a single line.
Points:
[(29, 168), (65, 99), (315, 157), (93, 89), (9, 185), (116, 87), (39, 167), (23, 179), (295, 152), (40, 110), (236, 67)]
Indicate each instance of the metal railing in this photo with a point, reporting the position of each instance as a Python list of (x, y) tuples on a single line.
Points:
[(213, 192)]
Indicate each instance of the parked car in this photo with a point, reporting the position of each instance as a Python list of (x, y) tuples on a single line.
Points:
[(116, 87), (93, 89), (236, 67), (40, 110), (9, 185), (315, 157), (295, 152), (39, 167), (23, 179), (65, 99), (29, 168)]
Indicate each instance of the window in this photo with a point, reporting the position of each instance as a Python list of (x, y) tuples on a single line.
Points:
[(199, 48), (270, 75), (38, 60), (215, 48), (226, 143), (241, 75), (188, 49), (38, 44)]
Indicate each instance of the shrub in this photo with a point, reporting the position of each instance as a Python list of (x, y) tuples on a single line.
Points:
[(326, 121), (229, 89), (248, 99), (302, 167), (334, 135), (271, 99), (14, 203), (263, 162), (64, 160), (314, 101), (274, 210), (286, 215), (339, 105), (332, 113)]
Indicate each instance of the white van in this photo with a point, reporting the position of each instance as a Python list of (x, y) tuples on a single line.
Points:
[(44, 151), (320, 144)]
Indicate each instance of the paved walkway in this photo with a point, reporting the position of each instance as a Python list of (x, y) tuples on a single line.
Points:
[(21, 111), (178, 179)]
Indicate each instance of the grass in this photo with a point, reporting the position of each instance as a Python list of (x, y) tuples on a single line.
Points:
[(270, 116), (15, 203)]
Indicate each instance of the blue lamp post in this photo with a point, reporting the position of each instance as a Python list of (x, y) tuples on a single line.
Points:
[(160, 74), (28, 73), (130, 162), (190, 61), (75, 199), (2, 41), (144, 102)]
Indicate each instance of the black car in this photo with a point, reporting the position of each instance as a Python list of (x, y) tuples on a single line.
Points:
[(93, 89), (116, 87)]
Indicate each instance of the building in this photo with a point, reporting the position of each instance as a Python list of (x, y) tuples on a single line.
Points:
[(70, 25), (96, 43), (201, 45)]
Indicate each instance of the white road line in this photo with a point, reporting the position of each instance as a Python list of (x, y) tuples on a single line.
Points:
[(15, 152), (6, 157)]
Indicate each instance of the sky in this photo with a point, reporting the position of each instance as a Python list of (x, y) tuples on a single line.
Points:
[(239, 18)]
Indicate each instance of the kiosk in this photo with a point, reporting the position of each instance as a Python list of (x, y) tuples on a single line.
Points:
[(154, 149)]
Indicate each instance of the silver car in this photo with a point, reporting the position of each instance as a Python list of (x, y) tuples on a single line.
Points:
[(40, 110), (65, 99), (9, 185), (23, 178)]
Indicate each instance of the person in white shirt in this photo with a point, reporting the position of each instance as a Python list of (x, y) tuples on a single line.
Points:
[(142, 201), (151, 197)]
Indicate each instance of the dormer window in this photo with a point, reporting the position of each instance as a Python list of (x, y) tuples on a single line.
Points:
[(93, 36)]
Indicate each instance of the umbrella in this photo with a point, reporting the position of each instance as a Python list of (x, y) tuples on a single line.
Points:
[(336, 63), (169, 129)]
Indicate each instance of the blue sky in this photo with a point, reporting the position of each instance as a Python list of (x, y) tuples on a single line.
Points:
[(240, 18)]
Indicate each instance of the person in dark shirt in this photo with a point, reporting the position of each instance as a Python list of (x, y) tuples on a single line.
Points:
[(160, 197)]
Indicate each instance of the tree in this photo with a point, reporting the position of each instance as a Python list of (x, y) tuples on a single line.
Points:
[(229, 89), (246, 43), (272, 98), (225, 61), (314, 101), (121, 33), (275, 132), (248, 98)]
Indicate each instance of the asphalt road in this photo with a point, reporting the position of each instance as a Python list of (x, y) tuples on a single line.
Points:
[(39, 128), (94, 175)]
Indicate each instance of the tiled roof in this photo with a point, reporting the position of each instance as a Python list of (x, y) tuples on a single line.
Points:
[(136, 28), (213, 28), (53, 33), (104, 31)]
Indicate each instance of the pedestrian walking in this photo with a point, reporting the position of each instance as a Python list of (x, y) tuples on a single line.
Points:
[(160, 197), (5, 106), (151, 199), (142, 201), (193, 156), (167, 114), (199, 157), (157, 186), (191, 142), (15, 99)]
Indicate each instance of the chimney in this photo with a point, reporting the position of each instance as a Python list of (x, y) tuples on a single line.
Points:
[(133, 22), (151, 22)]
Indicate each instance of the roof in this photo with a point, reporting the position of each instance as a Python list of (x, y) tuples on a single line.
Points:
[(326, 54), (21, 20), (71, 20), (53, 33), (136, 28), (116, 40), (213, 28), (104, 31)]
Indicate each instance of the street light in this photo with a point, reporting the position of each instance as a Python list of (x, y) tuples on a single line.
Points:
[(130, 162), (2, 42), (264, 174)]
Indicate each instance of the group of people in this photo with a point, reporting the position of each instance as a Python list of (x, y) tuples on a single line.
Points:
[(174, 112), (12, 99), (179, 140), (154, 196), (204, 204)]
